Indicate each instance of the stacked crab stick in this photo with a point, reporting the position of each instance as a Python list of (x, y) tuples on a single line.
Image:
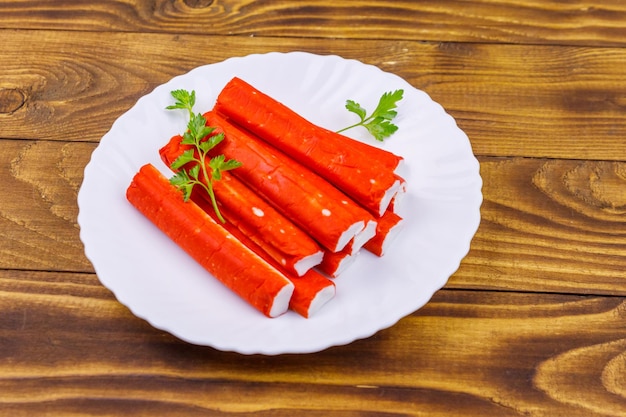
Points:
[(334, 263), (299, 209), (292, 248), (317, 187), (272, 232), (328, 215), (312, 290), (389, 225), (364, 172), (210, 244)]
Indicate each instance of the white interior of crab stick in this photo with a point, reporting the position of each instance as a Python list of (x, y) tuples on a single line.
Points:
[(308, 262)]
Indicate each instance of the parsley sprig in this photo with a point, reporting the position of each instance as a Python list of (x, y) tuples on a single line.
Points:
[(379, 122), (201, 137)]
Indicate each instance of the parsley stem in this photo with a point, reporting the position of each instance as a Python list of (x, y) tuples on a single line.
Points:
[(209, 183), (214, 204), (203, 173), (361, 123)]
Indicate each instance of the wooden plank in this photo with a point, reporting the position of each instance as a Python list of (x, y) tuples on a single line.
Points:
[(69, 347), (38, 228), (510, 100), (545, 22), (547, 225)]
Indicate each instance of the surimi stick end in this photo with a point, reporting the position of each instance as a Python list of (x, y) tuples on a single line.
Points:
[(307, 263), (388, 228)]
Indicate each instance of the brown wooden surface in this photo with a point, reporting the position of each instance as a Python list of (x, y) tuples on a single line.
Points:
[(533, 322)]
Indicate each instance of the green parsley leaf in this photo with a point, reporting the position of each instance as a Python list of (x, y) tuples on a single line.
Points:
[(230, 164), (219, 164), (182, 181), (215, 164), (184, 100), (212, 142), (201, 137), (378, 124), (381, 128), (356, 108), (194, 172), (197, 127), (183, 159), (188, 139)]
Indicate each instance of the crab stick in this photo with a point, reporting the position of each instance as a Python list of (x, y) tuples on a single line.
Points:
[(206, 241), (289, 255), (361, 171), (389, 225), (291, 188), (291, 247), (237, 90), (387, 228), (320, 185), (334, 263), (311, 291), (363, 237)]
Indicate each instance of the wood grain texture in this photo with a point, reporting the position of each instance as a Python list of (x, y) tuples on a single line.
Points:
[(531, 324), (38, 211), (510, 100), (70, 348), (528, 22), (550, 222)]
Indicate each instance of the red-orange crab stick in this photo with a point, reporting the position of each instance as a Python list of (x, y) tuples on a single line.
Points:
[(206, 241)]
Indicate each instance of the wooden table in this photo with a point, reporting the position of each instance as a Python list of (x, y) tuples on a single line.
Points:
[(532, 323)]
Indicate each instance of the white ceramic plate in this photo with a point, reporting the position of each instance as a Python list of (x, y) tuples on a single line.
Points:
[(159, 283)]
